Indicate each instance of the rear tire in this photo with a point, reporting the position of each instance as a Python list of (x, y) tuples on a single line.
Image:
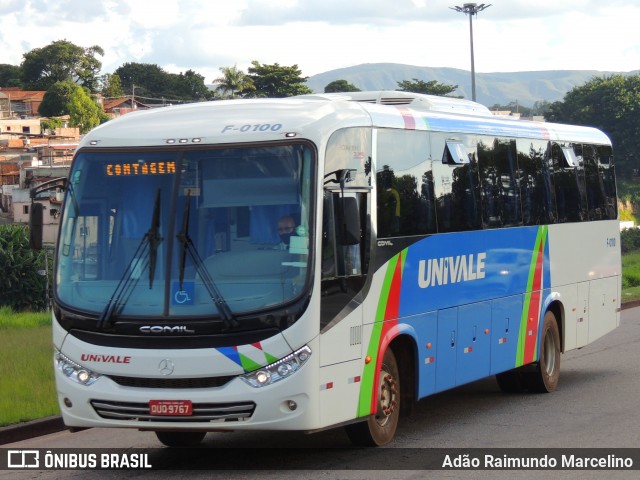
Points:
[(180, 439), (544, 378), (380, 428)]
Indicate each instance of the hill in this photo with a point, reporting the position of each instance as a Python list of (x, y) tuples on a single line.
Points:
[(491, 88)]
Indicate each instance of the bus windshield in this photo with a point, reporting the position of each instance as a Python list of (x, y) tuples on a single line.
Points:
[(185, 233)]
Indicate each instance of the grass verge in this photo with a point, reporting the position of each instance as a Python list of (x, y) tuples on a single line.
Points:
[(631, 276), (27, 388)]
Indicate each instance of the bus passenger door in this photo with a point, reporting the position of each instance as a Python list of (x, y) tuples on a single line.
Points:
[(343, 263)]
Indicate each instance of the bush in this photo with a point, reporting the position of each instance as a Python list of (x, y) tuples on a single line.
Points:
[(630, 240), (630, 280), (22, 287)]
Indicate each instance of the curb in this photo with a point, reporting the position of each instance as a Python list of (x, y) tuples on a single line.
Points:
[(45, 426), (34, 428)]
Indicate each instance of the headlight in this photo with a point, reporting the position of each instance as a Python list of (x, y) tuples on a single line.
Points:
[(75, 372), (283, 368)]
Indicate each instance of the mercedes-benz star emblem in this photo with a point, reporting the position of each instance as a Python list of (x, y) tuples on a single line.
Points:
[(166, 367)]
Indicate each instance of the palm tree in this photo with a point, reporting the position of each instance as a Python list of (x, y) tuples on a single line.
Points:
[(233, 82)]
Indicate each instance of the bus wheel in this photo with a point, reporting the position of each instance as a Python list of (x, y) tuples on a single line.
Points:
[(180, 439), (544, 378), (380, 428)]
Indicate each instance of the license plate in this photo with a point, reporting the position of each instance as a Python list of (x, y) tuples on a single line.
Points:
[(170, 407)]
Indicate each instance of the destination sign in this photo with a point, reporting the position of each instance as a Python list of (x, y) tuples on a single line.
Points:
[(140, 168)]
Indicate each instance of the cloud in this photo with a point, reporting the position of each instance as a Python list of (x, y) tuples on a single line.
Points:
[(335, 12), (320, 35), (383, 12)]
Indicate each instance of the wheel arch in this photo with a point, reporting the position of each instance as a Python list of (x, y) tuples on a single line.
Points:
[(557, 308), (405, 350)]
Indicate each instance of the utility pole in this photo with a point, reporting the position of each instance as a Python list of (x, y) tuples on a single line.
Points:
[(471, 9)]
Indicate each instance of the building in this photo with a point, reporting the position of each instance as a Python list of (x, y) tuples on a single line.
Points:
[(19, 203), (14, 128), (15, 102), (115, 107)]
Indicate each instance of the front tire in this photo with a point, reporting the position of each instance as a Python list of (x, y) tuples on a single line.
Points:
[(545, 377), (180, 439), (380, 428)]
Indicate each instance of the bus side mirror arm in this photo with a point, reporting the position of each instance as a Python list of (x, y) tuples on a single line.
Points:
[(55, 184)]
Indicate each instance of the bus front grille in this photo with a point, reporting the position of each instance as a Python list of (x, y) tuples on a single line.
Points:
[(140, 382), (202, 412)]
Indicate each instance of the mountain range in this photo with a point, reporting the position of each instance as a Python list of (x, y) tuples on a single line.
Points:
[(503, 88)]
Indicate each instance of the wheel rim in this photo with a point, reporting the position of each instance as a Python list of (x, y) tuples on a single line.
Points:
[(387, 397), (549, 353)]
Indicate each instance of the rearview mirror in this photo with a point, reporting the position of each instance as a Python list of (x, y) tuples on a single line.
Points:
[(36, 223)]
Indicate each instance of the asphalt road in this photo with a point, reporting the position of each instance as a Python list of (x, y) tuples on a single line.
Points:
[(596, 406)]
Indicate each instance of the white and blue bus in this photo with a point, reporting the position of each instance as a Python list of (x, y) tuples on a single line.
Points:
[(323, 261)]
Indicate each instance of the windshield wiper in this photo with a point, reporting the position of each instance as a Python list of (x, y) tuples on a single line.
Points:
[(137, 264), (188, 247), (154, 239)]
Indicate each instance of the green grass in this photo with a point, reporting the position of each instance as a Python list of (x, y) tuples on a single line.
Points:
[(9, 319), (27, 388), (631, 276)]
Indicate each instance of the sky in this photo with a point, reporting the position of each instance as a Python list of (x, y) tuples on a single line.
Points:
[(323, 35)]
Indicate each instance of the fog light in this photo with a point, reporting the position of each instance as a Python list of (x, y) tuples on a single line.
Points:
[(67, 402), (292, 405)]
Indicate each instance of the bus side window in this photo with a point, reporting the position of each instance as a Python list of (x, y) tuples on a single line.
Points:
[(536, 182), (457, 188), (499, 183), (569, 184), (404, 184)]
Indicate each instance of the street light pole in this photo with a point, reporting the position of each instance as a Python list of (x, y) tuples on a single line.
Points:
[(471, 9)]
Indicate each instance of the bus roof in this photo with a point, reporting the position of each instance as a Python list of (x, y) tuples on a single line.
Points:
[(317, 116)]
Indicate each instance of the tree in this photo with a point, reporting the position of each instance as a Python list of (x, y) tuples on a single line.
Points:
[(610, 103), (50, 123), (277, 81), (84, 112), (111, 86), (10, 75), (338, 86), (540, 107), (432, 87), (234, 83), (154, 84), (190, 86), (21, 285), (512, 107), (147, 79), (67, 98), (60, 61), (56, 101)]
